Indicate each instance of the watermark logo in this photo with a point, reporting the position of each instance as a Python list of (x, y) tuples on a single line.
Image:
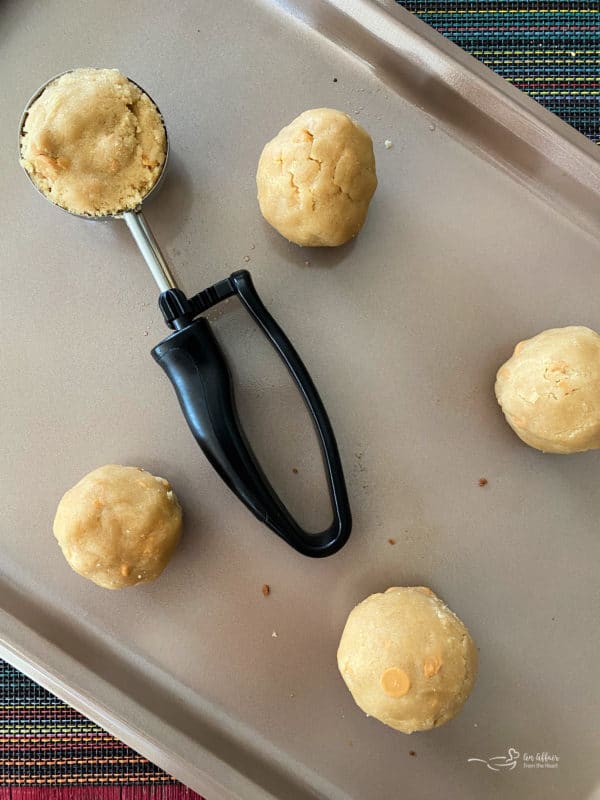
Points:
[(500, 763), (509, 762)]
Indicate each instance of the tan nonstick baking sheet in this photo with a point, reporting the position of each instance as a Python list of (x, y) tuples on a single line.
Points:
[(483, 231)]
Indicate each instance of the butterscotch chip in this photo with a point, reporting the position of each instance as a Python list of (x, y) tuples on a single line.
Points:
[(431, 666), (118, 526), (395, 682), (93, 142), (407, 659)]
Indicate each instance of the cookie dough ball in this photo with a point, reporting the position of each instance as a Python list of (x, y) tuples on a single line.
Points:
[(407, 659), (549, 390), (118, 526), (93, 142), (316, 178)]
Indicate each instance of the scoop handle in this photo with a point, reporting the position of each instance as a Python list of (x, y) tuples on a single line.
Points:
[(150, 249), (196, 366)]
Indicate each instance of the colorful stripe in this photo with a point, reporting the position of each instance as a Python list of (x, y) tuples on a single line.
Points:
[(550, 50), (172, 792), (43, 741)]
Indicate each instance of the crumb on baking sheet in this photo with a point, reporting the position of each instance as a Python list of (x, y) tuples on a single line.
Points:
[(483, 481), (335, 80), (274, 635), (412, 753), (388, 144), (266, 589), (307, 263), (246, 259), (295, 470), (391, 541)]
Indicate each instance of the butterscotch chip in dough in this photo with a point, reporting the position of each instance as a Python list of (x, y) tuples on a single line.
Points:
[(93, 142), (407, 659), (118, 526), (315, 179), (549, 390)]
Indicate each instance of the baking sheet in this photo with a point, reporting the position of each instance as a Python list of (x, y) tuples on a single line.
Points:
[(484, 230)]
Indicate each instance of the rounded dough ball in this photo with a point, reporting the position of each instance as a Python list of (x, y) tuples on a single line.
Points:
[(118, 526), (407, 659), (549, 390), (316, 178)]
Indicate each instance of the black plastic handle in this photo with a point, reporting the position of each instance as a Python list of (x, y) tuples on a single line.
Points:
[(197, 368)]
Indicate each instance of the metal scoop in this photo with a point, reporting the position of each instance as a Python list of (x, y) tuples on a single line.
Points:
[(196, 366)]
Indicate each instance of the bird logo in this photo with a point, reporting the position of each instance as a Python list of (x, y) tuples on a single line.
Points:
[(499, 763)]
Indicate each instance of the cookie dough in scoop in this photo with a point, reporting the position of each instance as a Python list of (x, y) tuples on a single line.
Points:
[(93, 142)]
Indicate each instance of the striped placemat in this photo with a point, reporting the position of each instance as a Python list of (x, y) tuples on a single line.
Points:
[(551, 50), (172, 791), (45, 741)]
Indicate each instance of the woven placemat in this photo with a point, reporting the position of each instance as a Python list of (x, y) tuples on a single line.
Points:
[(44, 741), (551, 50)]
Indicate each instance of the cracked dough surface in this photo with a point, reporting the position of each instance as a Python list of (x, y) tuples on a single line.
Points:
[(118, 526), (407, 659), (93, 143), (549, 390), (315, 179)]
